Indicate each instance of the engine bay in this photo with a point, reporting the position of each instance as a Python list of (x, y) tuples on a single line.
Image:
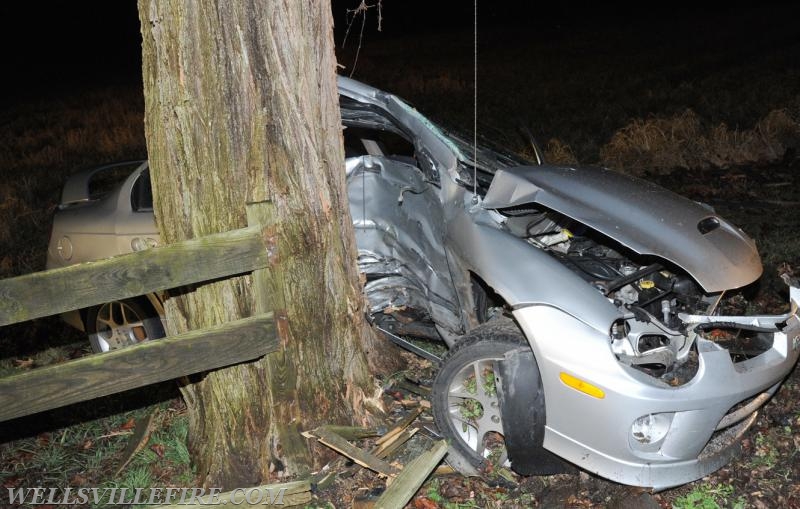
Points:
[(653, 296)]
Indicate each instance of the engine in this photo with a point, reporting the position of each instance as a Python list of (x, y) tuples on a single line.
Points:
[(650, 293)]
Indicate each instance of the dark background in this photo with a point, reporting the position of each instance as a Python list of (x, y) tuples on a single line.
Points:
[(51, 47)]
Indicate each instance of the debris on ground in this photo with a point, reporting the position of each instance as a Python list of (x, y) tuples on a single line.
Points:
[(138, 441), (402, 457)]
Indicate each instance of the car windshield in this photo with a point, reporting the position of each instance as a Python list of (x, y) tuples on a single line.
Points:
[(490, 158)]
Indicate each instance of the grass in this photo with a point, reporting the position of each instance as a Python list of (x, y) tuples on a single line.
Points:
[(765, 454), (707, 496), (686, 141), (87, 454)]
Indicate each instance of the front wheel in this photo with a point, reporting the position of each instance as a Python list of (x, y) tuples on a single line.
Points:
[(123, 323), (466, 400)]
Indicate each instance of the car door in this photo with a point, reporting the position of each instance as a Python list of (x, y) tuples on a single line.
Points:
[(400, 229)]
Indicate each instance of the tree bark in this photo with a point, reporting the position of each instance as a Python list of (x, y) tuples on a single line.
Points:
[(241, 107)]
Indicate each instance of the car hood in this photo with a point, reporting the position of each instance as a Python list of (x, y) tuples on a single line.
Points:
[(639, 215)]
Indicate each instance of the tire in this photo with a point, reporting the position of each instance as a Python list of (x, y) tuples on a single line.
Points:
[(475, 431), (123, 323)]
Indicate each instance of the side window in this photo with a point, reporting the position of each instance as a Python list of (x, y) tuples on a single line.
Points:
[(142, 193), (360, 141), (107, 180)]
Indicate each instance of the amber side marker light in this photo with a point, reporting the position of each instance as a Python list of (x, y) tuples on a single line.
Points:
[(580, 385)]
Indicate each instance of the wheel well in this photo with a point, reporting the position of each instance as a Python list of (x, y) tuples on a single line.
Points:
[(482, 292)]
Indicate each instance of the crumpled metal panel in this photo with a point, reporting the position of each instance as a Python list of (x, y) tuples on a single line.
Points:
[(399, 228), (524, 275), (638, 214)]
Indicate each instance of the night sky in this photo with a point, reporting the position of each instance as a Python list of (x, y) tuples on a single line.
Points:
[(52, 47)]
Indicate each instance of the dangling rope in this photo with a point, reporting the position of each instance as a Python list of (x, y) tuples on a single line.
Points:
[(475, 106)]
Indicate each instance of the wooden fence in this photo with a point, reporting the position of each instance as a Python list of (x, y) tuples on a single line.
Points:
[(89, 284)]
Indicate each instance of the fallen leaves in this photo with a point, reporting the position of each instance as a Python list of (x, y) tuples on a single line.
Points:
[(129, 424), (12, 481), (78, 480), (424, 503), (158, 449)]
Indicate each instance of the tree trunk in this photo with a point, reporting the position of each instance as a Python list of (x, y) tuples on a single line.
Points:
[(241, 107)]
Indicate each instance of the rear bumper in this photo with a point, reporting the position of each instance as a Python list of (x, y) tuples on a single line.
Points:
[(596, 434)]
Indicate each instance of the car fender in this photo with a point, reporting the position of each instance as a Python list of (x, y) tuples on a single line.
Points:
[(524, 275)]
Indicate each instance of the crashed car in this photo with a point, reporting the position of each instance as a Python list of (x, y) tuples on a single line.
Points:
[(583, 309)]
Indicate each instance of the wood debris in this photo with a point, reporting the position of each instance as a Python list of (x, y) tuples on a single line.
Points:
[(415, 388), (403, 424), (414, 474), (360, 456), (138, 440), (388, 452)]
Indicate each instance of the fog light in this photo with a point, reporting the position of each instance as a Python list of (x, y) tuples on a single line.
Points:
[(651, 428)]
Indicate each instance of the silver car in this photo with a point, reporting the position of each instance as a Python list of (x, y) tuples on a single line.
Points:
[(584, 310)]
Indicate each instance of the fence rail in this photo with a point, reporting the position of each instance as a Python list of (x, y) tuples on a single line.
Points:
[(89, 284), (143, 364)]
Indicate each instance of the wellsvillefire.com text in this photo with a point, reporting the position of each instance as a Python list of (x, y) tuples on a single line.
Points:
[(145, 496)]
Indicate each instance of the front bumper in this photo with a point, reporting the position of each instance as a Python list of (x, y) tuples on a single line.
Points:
[(596, 433)]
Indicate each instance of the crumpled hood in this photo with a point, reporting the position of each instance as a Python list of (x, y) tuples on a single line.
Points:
[(638, 214)]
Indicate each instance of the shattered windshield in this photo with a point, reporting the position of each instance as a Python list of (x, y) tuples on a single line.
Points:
[(490, 158)]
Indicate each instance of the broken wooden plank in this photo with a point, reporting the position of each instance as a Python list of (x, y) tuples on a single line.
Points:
[(270, 495), (444, 470), (383, 451), (387, 448), (92, 283), (414, 403), (405, 485), (384, 442), (363, 458), (352, 432), (412, 387), (400, 426), (99, 375), (138, 440), (323, 480)]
